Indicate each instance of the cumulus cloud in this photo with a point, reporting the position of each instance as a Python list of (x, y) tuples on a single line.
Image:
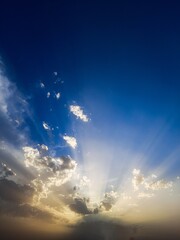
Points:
[(150, 182), (109, 200), (58, 170), (48, 94), (34, 158), (71, 141), (78, 112), (79, 206), (57, 95)]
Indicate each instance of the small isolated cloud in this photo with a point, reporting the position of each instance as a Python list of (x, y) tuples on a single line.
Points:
[(48, 94), (71, 141), (42, 85), (55, 73), (46, 126), (78, 112), (57, 95)]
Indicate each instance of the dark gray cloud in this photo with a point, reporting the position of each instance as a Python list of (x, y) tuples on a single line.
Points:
[(23, 210), (5, 171), (13, 192), (16, 199), (79, 206)]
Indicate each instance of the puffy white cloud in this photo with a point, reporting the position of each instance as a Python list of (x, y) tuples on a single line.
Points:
[(41, 190), (57, 170), (78, 112), (57, 95), (46, 126), (71, 141), (48, 94)]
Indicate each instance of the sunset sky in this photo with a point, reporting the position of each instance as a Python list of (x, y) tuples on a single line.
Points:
[(89, 120)]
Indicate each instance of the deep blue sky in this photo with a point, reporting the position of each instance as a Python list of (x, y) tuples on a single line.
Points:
[(120, 60)]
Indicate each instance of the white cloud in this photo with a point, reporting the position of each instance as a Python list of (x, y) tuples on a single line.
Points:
[(42, 85), (48, 94), (55, 73), (71, 141), (78, 112), (60, 167), (46, 126), (57, 95)]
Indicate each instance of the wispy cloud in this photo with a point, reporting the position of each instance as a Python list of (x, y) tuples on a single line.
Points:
[(42, 85)]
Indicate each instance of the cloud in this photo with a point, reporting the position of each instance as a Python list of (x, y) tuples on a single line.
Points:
[(138, 179), (42, 85), (13, 111), (51, 171), (48, 94), (71, 141), (5, 171), (150, 182), (16, 193), (57, 95), (35, 158), (79, 206), (78, 112), (157, 185), (109, 200), (46, 126)]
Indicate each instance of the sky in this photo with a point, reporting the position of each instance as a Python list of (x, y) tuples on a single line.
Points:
[(89, 120)]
